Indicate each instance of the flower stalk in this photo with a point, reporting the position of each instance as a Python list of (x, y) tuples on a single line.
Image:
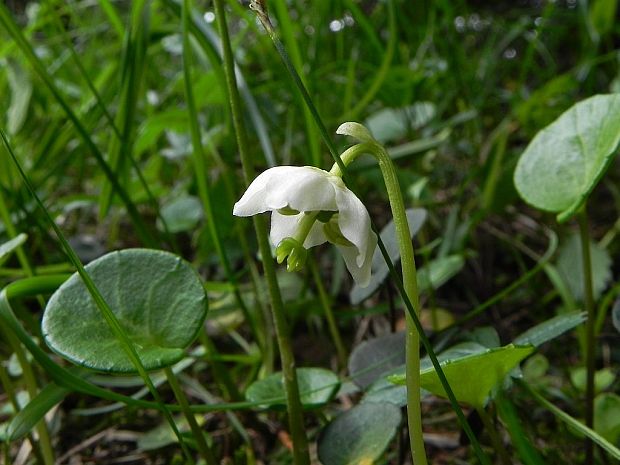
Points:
[(371, 146)]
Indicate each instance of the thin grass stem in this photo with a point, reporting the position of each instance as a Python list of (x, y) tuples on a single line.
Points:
[(584, 234), (298, 433), (197, 432), (334, 332)]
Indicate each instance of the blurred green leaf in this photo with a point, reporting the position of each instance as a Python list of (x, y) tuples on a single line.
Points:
[(607, 416), (21, 93), (570, 266), (565, 161), (9, 247), (360, 435), (602, 379), (181, 214), (317, 386), (390, 124), (376, 357), (602, 15), (439, 271), (550, 329), (416, 218)]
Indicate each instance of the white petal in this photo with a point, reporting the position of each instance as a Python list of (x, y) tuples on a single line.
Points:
[(303, 188), (360, 272), (354, 221), (286, 226), (254, 199)]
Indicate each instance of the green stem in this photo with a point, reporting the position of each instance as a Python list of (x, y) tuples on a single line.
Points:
[(220, 374), (286, 25), (301, 455), (44, 442), (199, 436), (329, 316), (403, 235), (260, 10), (201, 171), (498, 445), (584, 234)]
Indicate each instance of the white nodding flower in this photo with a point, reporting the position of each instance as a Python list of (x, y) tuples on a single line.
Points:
[(312, 206)]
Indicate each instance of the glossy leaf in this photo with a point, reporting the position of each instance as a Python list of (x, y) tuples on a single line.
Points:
[(383, 390), (156, 296), (565, 160), (360, 435), (472, 377), (317, 386)]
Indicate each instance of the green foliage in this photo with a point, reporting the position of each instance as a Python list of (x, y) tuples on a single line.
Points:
[(360, 435), (565, 161), (157, 298), (317, 387), (489, 365), (570, 266), (119, 114)]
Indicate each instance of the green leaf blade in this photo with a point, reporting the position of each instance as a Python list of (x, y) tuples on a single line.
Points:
[(565, 161), (157, 297)]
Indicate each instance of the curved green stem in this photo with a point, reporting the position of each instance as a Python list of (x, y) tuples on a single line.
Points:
[(584, 234), (301, 454), (403, 236)]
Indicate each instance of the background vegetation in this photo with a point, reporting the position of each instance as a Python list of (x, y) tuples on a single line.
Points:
[(454, 89)]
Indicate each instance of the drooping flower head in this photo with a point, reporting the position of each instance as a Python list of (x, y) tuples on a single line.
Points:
[(310, 206)]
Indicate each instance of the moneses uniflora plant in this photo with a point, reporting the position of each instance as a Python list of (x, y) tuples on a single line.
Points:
[(310, 206)]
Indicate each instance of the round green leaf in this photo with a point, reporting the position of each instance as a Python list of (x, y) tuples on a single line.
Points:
[(156, 296), (603, 378), (376, 357), (360, 435), (317, 386), (607, 416), (565, 160)]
